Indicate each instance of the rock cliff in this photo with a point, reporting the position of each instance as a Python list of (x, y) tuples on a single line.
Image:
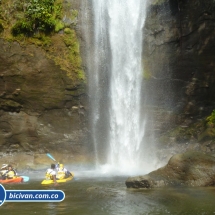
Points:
[(43, 100), (179, 72)]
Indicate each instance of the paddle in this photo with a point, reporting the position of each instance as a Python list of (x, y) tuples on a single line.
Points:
[(25, 178), (50, 156)]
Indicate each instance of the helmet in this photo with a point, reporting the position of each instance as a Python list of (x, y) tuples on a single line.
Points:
[(4, 166), (61, 165)]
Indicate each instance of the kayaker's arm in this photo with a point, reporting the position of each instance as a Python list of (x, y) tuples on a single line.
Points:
[(4, 175), (55, 180)]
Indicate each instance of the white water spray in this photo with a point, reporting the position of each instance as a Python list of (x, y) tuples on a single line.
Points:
[(115, 80)]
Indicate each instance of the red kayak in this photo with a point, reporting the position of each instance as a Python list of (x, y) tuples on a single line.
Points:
[(14, 180)]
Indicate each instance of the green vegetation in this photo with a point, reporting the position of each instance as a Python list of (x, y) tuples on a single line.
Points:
[(200, 131), (211, 119), (185, 134), (71, 58), (39, 16), (59, 26), (146, 69), (146, 75), (38, 22)]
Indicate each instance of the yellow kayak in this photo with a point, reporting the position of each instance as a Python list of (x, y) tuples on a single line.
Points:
[(49, 181)]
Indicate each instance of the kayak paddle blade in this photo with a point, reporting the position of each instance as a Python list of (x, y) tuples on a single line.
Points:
[(25, 178), (50, 156)]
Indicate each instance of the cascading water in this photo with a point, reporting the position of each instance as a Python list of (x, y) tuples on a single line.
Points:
[(115, 78)]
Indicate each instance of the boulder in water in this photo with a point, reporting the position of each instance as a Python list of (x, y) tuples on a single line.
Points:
[(188, 169)]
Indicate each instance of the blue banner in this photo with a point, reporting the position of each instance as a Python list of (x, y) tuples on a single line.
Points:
[(2, 194), (30, 195), (34, 195)]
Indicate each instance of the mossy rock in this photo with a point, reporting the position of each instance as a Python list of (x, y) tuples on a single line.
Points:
[(208, 134), (192, 169), (182, 134), (9, 105), (158, 2), (1, 27)]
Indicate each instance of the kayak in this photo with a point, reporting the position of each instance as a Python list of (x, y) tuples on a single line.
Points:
[(14, 180), (49, 181)]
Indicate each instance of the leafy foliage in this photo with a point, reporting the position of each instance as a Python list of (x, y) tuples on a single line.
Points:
[(39, 16), (211, 119)]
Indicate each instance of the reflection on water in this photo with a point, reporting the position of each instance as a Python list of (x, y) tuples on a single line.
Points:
[(109, 196)]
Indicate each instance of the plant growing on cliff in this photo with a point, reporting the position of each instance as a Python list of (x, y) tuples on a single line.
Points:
[(71, 41), (211, 119), (39, 16)]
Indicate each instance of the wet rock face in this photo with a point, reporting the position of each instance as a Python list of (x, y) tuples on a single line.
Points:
[(179, 58), (41, 108), (188, 169)]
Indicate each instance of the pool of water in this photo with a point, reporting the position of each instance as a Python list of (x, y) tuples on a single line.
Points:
[(109, 196)]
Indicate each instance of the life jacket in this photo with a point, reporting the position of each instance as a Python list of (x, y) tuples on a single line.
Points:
[(3, 174), (49, 174), (10, 174), (61, 173)]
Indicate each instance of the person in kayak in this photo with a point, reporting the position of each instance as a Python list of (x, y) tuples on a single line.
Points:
[(10, 173), (51, 174), (62, 172), (3, 170)]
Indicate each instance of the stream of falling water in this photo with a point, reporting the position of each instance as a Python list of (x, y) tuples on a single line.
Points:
[(115, 85)]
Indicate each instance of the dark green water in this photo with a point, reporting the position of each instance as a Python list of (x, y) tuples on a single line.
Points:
[(109, 196)]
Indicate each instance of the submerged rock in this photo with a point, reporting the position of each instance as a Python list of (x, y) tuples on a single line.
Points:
[(188, 169)]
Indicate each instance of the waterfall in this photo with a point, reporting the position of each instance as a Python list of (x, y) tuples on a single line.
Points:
[(115, 81)]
